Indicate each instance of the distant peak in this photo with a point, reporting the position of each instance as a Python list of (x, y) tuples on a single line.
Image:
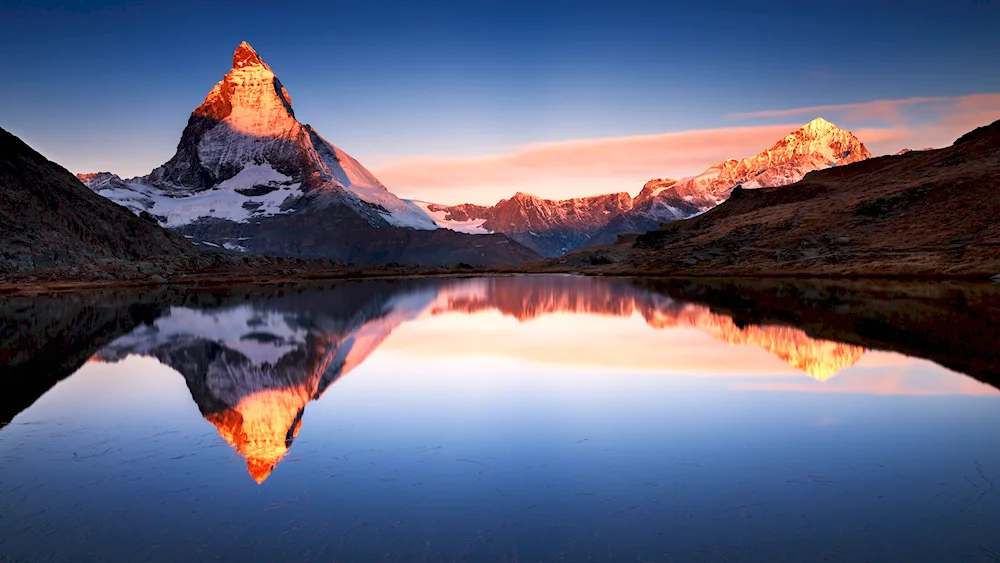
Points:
[(819, 125), (245, 55)]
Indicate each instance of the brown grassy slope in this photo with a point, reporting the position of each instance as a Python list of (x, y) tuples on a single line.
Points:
[(923, 213)]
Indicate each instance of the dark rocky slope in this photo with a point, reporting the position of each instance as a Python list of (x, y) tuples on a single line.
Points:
[(49, 219)]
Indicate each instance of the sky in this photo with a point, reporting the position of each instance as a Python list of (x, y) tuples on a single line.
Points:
[(457, 102)]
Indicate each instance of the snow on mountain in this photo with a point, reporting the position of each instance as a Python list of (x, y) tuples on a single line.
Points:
[(258, 190), (550, 227), (244, 155), (443, 218), (816, 145)]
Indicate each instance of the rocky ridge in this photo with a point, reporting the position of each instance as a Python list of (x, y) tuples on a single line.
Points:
[(550, 227)]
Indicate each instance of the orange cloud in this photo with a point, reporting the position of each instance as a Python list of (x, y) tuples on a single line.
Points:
[(560, 163), (576, 168)]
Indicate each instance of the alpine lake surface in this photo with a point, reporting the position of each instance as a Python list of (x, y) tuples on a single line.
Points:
[(522, 418)]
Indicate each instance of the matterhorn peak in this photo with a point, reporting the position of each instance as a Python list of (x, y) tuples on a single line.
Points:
[(245, 55)]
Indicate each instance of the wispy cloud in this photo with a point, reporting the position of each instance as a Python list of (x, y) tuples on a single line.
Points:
[(891, 111), (881, 110)]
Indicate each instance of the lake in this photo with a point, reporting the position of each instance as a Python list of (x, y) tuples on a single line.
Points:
[(549, 418)]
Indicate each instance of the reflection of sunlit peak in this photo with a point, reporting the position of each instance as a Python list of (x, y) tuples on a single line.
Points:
[(529, 298), (821, 359), (262, 426)]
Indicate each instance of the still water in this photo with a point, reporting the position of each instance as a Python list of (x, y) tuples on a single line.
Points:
[(503, 419)]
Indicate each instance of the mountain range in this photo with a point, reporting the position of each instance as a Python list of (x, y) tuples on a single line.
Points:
[(247, 176), (554, 227)]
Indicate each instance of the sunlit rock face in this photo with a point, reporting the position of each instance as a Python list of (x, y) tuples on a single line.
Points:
[(253, 369), (821, 359), (816, 145), (550, 227)]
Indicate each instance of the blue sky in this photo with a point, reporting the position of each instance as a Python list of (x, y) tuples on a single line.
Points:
[(109, 85)]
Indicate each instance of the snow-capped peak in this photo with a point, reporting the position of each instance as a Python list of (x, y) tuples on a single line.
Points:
[(819, 126), (245, 138), (817, 144)]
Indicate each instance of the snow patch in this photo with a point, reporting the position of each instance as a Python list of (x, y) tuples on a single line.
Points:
[(215, 203), (254, 175), (262, 336), (175, 209), (473, 227)]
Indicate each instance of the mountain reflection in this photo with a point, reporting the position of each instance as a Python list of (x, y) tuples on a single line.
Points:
[(527, 298), (253, 368), (253, 358)]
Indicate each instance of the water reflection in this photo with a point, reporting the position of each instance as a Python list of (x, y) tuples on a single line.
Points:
[(505, 417), (253, 367)]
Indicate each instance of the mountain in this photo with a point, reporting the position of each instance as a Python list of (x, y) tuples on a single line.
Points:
[(248, 176), (554, 227), (816, 145), (549, 227), (49, 219), (922, 213)]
